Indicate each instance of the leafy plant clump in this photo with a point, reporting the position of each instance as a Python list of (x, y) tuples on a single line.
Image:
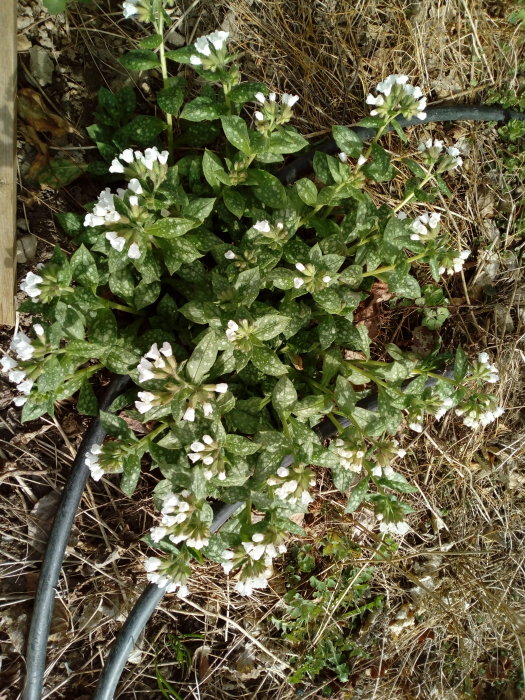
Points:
[(229, 299)]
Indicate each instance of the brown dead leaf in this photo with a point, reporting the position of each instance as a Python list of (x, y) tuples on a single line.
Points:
[(369, 311), (423, 341), (33, 112), (41, 519)]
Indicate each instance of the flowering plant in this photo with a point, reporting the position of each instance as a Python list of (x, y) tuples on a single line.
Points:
[(230, 300)]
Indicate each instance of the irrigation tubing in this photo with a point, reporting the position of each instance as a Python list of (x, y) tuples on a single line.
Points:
[(56, 547), (150, 598)]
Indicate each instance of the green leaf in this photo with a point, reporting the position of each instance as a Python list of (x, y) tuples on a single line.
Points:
[(87, 403), (281, 278), (84, 267), (321, 168), (284, 395), (130, 474), (213, 170), (307, 191), (116, 427), (267, 361), (397, 482), (238, 445), (403, 284), (286, 140), (52, 375), (121, 361), (103, 328), (139, 59), (170, 98), (379, 167), (345, 395), (202, 358), (199, 208), (270, 325), (267, 188), (60, 172), (247, 286), (143, 129), (145, 294), (460, 364), (348, 141), (151, 42), (245, 92), (182, 55), (236, 132), (357, 496), (54, 7), (201, 109), (234, 202), (171, 227)]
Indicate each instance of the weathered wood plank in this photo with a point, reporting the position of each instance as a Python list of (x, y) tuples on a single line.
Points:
[(7, 161)]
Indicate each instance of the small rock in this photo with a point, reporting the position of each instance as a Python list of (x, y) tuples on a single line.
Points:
[(41, 65), (21, 225), (26, 249), (175, 38)]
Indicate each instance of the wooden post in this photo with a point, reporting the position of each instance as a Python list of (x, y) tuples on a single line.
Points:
[(7, 161)]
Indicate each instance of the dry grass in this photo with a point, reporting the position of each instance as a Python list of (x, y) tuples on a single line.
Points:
[(465, 635)]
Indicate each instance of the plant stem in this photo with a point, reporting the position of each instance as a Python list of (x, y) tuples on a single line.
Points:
[(389, 268), (164, 68)]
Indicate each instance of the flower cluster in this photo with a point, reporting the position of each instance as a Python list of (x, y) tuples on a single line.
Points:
[(211, 51), (396, 97), (30, 283), (351, 456), (182, 522), (24, 350), (425, 226), (484, 370), (254, 560), (93, 463), (272, 113), (399, 528), (209, 452), (452, 264), (309, 279), (343, 157), (291, 484), (136, 162), (432, 151), (479, 412), (148, 370), (170, 575)]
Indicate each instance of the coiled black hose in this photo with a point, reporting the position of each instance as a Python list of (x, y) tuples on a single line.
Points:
[(56, 547), (148, 601)]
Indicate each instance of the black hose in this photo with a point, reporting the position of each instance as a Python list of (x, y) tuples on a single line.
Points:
[(56, 547), (137, 619), (477, 113)]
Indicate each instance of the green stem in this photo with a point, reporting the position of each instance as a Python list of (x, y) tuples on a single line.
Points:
[(389, 268), (366, 374), (164, 69), (121, 307), (407, 199), (331, 417), (434, 375), (153, 434)]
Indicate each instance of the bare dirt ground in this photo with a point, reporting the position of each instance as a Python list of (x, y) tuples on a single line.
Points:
[(452, 622)]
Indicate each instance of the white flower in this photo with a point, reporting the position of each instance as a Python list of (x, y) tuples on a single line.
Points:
[(401, 215), (202, 46), (218, 39), (195, 61), (7, 363), (24, 387), (259, 96), (144, 369), (116, 166), (152, 564), (399, 528), (379, 101), (262, 226), (16, 376), (231, 331), (127, 155), (21, 345), (92, 462), (30, 283), (189, 414), (39, 330), (258, 115), (221, 388), (145, 403), (157, 533), (289, 100), (247, 586), (135, 186), (230, 255), (115, 241), (197, 542), (20, 401), (298, 282), (299, 266), (129, 8), (454, 153), (361, 160), (327, 279), (416, 425), (134, 251), (342, 157)]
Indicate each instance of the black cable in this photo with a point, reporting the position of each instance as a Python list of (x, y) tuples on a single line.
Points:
[(56, 547), (478, 113)]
